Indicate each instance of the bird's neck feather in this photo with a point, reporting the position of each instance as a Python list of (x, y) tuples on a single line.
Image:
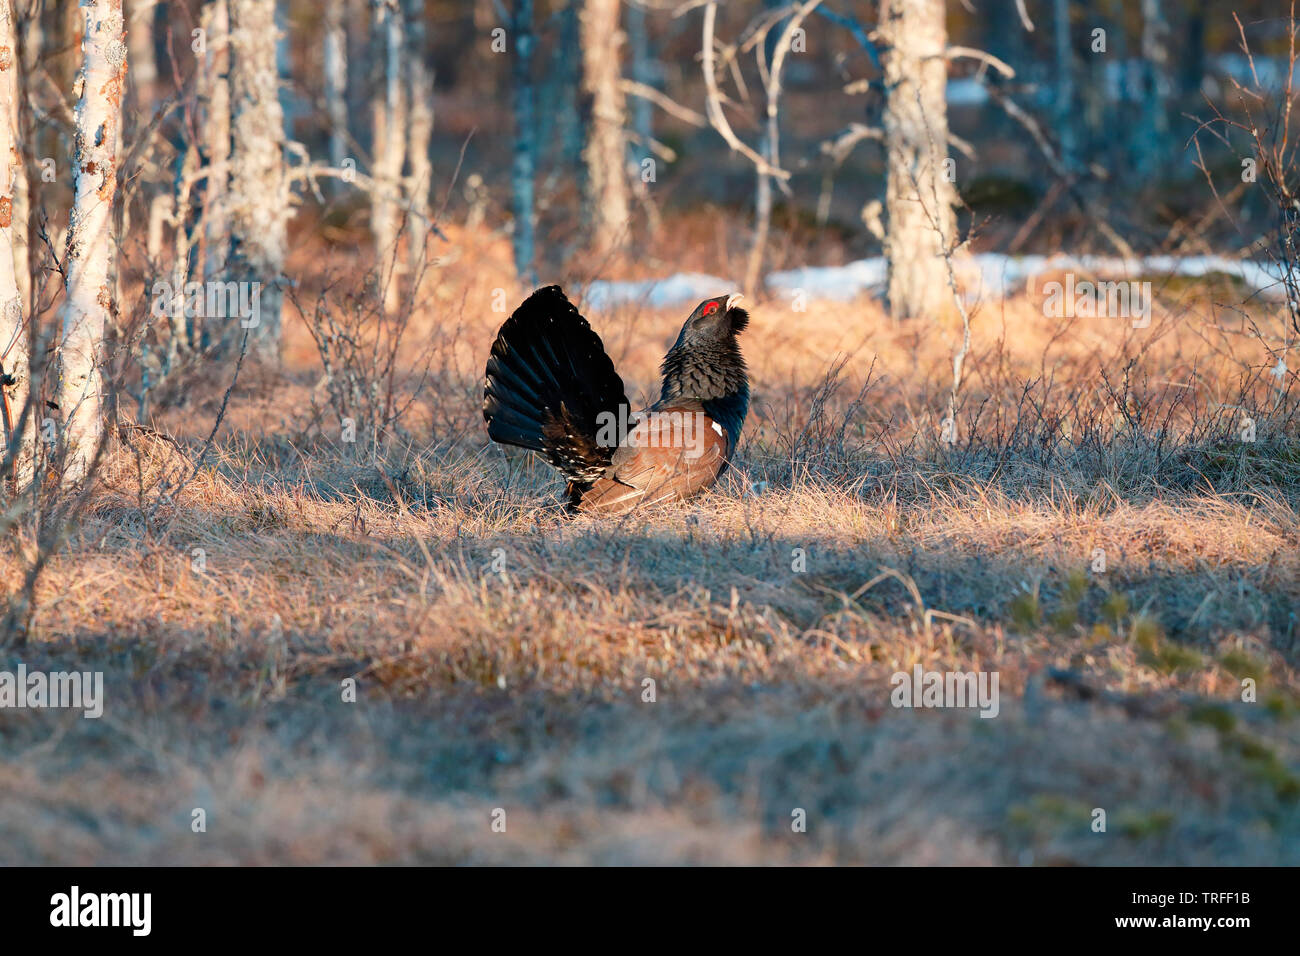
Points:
[(703, 372)]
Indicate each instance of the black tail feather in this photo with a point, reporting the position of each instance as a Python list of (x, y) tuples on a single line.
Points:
[(548, 380)]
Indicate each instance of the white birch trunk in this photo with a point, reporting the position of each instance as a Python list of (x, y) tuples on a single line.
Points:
[(90, 243), (605, 151), (919, 198), (161, 210), (28, 38), (259, 195), (389, 146), (16, 435), (32, 43), (335, 68), (419, 133), (214, 87)]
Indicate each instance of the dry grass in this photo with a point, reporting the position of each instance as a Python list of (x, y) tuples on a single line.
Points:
[(500, 649)]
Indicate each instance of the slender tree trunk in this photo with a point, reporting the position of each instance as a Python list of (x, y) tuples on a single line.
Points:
[(336, 80), (769, 149), (419, 133), (919, 196), (525, 161), (291, 105), (1153, 132), (483, 79), (639, 42), (356, 15), (605, 151), (568, 77), (27, 39), (90, 244), (389, 124), (139, 38), (17, 425), (1066, 115), (1093, 92), (640, 159), (1193, 65), (214, 108), (1121, 113), (259, 198)]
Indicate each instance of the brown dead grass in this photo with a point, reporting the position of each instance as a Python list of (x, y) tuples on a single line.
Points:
[(500, 649)]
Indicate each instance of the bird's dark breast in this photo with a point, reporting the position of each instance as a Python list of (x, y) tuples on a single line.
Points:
[(715, 379)]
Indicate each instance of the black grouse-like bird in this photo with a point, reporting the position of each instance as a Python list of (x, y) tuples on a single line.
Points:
[(550, 387)]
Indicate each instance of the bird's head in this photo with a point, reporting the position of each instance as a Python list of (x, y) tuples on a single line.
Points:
[(705, 363), (715, 320)]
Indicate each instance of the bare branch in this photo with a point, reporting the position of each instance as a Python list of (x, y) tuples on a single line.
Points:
[(961, 145), (1024, 15), (842, 145), (970, 53), (772, 136), (859, 33), (718, 119), (665, 103), (662, 150)]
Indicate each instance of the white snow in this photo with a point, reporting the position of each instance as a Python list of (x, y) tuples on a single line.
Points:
[(984, 276), (837, 283), (673, 290), (967, 91), (996, 275)]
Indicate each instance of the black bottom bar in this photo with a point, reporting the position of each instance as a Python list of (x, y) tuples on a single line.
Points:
[(337, 905)]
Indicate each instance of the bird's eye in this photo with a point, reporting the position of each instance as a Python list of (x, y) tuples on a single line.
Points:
[(711, 308)]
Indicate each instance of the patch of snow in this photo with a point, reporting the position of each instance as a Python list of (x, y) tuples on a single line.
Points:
[(690, 287), (837, 283), (986, 276), (994, 275), (966, 91)]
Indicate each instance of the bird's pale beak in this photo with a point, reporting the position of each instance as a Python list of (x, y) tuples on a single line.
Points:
[(733, 299)]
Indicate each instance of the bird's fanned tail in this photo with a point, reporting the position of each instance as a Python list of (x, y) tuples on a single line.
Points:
[(548, 381)]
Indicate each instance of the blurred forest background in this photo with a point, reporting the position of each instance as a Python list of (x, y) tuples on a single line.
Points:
[(607, 139), (580, 126), (623, 140)]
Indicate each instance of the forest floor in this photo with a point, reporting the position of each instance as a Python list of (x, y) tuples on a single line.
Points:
[(501, 651)]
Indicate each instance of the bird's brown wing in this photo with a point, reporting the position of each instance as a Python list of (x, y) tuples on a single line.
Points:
[(669, 456)]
